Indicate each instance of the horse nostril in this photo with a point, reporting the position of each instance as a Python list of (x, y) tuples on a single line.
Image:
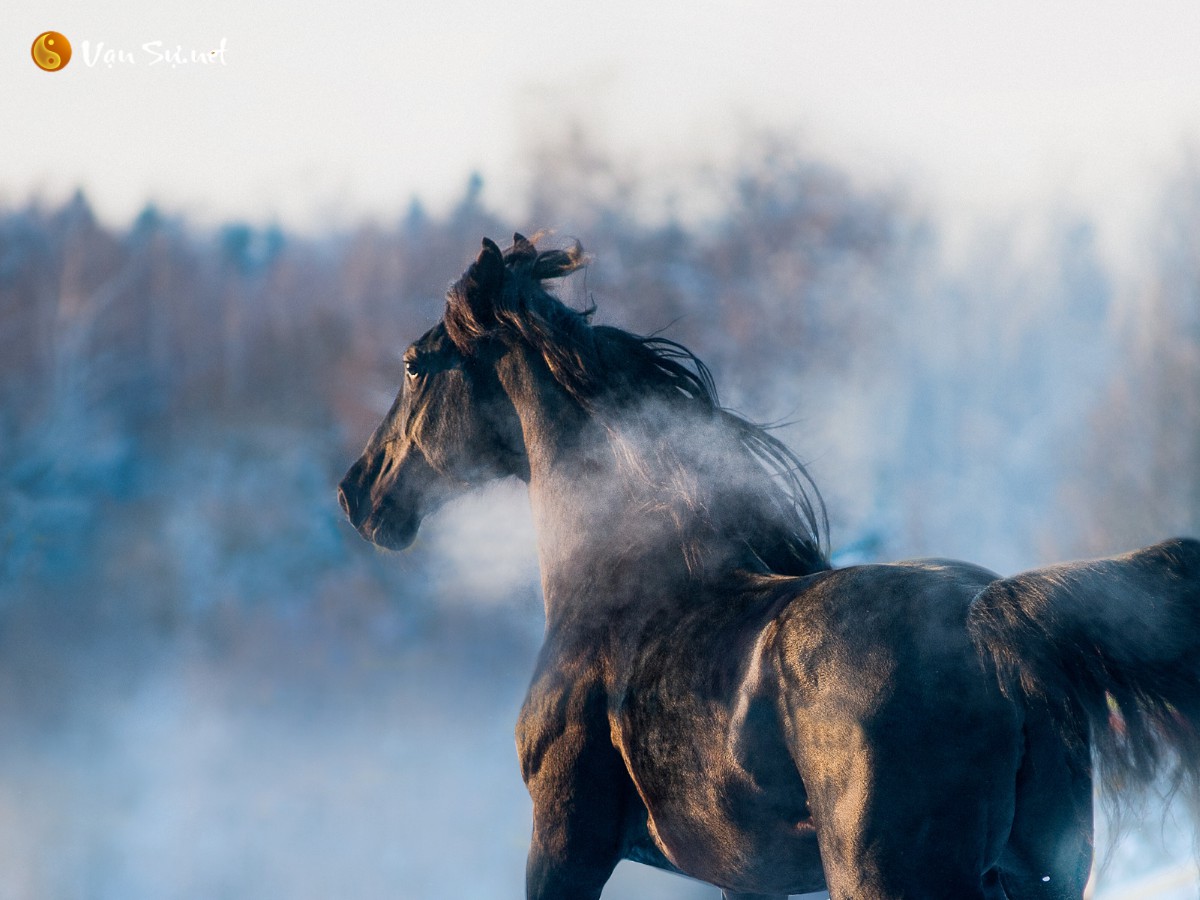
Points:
[(344, 502), (353, 494)]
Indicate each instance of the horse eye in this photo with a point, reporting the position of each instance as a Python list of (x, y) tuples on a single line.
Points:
[(411, 369)]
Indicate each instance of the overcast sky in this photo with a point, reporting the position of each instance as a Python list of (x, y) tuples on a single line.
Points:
[(324, 112)]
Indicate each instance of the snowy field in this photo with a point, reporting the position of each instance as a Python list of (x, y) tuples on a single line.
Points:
[(307, 767)]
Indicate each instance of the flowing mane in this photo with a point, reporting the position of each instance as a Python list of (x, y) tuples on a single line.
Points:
[(649, 391)]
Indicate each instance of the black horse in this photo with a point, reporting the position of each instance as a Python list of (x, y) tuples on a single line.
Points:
[(714, 698)]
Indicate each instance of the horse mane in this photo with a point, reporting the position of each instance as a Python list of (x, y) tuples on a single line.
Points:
[(774, 509)]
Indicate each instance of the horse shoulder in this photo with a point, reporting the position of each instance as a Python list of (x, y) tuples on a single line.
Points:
[(565, 712)]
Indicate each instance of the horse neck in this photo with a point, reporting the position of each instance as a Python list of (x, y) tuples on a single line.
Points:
[(599, 545)]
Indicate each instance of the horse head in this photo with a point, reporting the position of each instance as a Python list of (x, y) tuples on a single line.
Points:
[(451, 426)]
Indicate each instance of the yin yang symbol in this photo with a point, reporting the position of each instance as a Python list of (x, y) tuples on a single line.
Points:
[(51, 51)]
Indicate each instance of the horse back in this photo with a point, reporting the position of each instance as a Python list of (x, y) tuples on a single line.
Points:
[(883, 651), (876, 634)]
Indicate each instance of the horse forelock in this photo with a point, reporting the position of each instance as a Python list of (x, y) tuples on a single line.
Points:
[(521, 300)]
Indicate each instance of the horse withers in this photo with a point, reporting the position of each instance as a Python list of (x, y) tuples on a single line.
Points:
[(713, 697)]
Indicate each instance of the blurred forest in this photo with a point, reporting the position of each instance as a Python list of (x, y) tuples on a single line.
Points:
[(211, 687)]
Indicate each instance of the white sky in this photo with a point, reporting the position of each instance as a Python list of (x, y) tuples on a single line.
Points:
[(332, 110)]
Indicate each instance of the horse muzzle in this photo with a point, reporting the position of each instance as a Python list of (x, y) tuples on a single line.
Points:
[(382, 518)]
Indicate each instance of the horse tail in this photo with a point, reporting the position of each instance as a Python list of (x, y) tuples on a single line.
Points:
[(1112, 646)]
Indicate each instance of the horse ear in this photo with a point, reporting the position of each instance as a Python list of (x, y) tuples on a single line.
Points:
[(471, 303), (482, 282), (487, 272), (523, 247)]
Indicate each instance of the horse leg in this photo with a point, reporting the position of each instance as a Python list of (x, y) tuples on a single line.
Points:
[(577, 834), (898, 875), (580, 789), (1049, 852), (901, 869), (577, 830), (891, 827)]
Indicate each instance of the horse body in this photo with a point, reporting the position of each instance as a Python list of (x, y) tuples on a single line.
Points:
[(711, 696), (787, 710)]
